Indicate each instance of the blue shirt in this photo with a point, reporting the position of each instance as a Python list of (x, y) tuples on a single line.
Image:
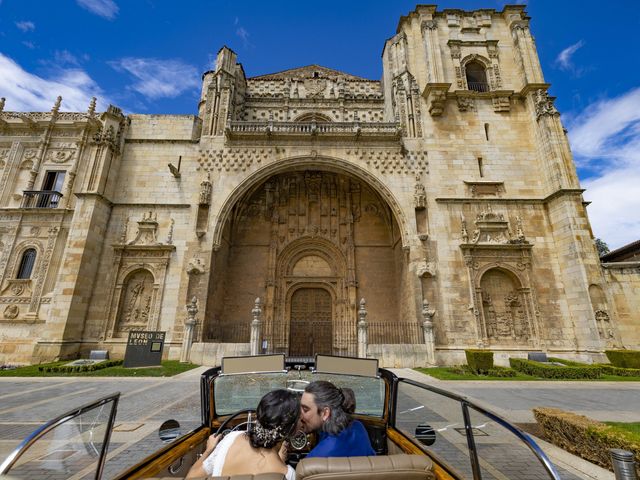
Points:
[(353, 441)]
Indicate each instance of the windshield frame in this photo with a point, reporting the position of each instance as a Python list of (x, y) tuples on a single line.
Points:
[(210, 414)]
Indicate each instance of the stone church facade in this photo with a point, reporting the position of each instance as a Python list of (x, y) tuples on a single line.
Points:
[(444, 195)]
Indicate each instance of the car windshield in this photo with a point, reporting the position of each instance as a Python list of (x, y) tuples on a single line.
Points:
[(240, 391)]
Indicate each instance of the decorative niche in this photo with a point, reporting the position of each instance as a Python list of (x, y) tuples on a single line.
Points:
[(137, 287), (503, 299)]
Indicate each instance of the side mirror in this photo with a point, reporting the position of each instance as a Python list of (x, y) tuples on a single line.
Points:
[(169, 431), (425, 434)]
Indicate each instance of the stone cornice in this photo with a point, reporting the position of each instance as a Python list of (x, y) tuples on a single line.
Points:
[(560, 193)]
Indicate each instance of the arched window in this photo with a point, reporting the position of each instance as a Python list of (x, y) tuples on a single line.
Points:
[(27, 263), (476, 77)]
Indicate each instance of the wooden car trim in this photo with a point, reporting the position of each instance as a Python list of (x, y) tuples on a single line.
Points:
[(151, 466), (441, 470)]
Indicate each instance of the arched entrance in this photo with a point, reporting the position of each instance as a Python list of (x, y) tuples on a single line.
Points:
[(310, 244)]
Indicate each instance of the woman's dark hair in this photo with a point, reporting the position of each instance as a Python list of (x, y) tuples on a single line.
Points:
[(277, 415), (341, 402)]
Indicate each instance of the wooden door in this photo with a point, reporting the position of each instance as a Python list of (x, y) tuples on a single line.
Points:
[(311, 325)]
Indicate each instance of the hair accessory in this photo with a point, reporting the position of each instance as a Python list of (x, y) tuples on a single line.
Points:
[(267, 435)]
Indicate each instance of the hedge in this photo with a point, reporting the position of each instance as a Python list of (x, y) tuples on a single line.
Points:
[(479, 361), (79, 368), (604, 368), (584, 436), (541, 370), (620, 372), (624, 358)]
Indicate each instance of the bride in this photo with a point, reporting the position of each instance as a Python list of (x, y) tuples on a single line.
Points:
[(259, 450)]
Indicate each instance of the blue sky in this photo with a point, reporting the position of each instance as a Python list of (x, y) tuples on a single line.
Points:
[(147, 56)]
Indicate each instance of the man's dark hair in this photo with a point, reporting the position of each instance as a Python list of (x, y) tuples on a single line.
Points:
[(277, 416), (341, 402)]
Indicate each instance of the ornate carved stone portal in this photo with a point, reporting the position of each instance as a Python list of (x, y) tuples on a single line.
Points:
[(301, 240)]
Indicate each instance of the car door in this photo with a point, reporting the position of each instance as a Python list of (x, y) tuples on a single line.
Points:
[(470, 441), (72, 445)]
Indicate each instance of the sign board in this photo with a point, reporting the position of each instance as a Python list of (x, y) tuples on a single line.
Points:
[(144, 349)]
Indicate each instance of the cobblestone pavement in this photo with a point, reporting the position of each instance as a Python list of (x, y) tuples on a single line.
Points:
[(26, 403)]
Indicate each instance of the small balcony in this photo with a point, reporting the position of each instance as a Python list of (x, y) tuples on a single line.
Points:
[(481, 87), (41, 199)]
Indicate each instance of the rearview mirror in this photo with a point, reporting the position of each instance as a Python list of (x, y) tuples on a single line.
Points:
[(425, 434), (169, 431)]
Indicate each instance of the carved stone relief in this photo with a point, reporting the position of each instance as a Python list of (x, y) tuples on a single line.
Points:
[(465, 103), (504, 314), (544, 104), (136, 304), (11, 312)]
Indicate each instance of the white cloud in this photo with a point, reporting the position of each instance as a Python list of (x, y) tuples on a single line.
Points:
[(26, 26), (29, 45), (159, 78), (242, 33), (104, 8), (65, 57), (563, 60), (606, 139), (25, 91)]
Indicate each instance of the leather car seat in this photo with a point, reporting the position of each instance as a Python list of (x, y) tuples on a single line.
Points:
[(392, 467), (259, 476)]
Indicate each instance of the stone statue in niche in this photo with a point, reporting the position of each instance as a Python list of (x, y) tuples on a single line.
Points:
[(419, 195), (604, 325), (205, 192)]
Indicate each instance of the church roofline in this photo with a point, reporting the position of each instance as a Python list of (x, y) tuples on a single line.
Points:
[(440, 13), (333, 72)]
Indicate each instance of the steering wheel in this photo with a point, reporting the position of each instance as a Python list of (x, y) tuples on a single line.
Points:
[(223, 425)]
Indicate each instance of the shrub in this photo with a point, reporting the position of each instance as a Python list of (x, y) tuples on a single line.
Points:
[(583, 436), (541, 370), (624, 358), (620, 372), (501, 372), (479, 361)]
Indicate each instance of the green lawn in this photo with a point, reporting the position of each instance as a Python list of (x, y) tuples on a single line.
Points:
[(630, 430), (168, 369)]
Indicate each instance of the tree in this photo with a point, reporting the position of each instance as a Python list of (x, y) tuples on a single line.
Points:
[(602, 247)]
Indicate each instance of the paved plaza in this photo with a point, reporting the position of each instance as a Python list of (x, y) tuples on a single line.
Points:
[(25, 403)]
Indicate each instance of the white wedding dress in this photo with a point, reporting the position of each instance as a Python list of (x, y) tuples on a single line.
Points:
[(213, 463)]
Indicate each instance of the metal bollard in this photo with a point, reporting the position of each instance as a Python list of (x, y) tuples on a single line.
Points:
[(623, 464)]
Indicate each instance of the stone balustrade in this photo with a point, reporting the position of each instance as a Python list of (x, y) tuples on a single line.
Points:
[(382, 129)]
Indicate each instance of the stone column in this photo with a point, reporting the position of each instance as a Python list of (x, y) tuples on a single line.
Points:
[(427, 331), (362, 330), (256, 328), (432, 49), (189, 323)]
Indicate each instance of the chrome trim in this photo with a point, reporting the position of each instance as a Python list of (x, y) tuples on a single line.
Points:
[(15, 455), (465, 402)]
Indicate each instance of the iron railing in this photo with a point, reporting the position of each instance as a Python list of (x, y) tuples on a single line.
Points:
[(41, 199), (478, 86)]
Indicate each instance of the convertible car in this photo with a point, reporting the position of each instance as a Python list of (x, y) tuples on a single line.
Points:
[(418, 431)]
